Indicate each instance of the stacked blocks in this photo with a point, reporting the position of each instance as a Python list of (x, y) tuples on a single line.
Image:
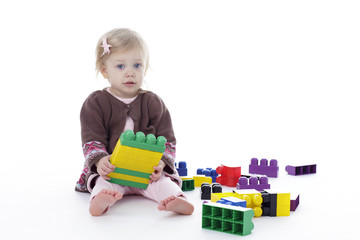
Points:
[(182, 170), (253, 183), (229, 176), (228, 219), (209, 172), (252, 197), (134, 157), (187, 184), (275, 204), (264, 169), (301, 170)]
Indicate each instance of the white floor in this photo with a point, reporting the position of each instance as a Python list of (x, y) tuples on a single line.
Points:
[(49, 212)]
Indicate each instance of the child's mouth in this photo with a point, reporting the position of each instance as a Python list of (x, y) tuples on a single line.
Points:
[(129, 83)]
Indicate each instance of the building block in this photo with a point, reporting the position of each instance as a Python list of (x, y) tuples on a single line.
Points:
[(135, 165), (259, 184), (294, 201), (187, 184), (209, 172), (229, 176), (201, 179), (218, 196), (300, 170), (234, 201), (182, 170), (275, 204), (150, 142), (216, 188), (253, 199), (205, 191), (264, 169), (228, 219)]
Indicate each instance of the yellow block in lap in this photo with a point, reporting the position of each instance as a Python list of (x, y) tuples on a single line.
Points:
[(128, 178), (134, 158)]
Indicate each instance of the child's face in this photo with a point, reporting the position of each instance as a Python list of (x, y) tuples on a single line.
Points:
[(125, 72)]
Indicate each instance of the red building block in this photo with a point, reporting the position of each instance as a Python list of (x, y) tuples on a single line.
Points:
[(229, 176)]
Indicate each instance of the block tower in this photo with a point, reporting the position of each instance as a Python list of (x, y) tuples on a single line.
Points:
[(134, 157)]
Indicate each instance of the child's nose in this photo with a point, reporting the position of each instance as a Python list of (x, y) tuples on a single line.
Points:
[(130, 73)]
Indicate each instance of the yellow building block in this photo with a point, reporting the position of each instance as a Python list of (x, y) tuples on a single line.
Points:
[(252, 197), (133, 165), (186, 178), (218, 196), (283, 204), (199, 179), (253, 200)]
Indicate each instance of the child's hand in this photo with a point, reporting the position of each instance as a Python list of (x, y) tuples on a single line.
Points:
[(157, 173), (104, 167)]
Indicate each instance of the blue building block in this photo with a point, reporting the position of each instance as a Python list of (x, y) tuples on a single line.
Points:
[(234, 201), (182, 170), (208, 172)]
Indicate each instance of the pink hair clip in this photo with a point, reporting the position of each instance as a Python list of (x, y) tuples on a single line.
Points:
[(106, 47)]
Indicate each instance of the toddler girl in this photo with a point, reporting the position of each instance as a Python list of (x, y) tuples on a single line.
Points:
[(122, 58)]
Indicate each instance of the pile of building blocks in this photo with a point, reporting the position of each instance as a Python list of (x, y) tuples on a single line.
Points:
[(209, 172), (257, 183), (206, 190), (252, 197), (187, 184), (300, 170), (228, 219), (228, 176), (134, 157), (264, 169), (182, 170)]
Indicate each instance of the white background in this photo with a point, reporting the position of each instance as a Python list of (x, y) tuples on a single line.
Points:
[(242, 79)]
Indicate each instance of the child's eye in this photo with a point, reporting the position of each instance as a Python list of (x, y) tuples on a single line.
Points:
[(120, 66), (137, 65)]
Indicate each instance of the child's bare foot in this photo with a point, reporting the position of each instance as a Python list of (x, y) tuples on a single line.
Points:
[(176, 204), (101, 202)]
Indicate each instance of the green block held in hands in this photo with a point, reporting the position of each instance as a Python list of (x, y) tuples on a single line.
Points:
[(128, 138)]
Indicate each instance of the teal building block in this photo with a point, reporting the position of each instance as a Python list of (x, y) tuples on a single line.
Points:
[(228, 219), (128, 138)]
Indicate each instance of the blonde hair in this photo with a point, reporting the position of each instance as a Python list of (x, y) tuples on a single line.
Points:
[(121, 39)]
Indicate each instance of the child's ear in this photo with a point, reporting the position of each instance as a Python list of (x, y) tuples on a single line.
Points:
[(104, 72)]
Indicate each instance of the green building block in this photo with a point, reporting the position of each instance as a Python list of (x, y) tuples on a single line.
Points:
[(228, 219), (128, 138), (188, 185)]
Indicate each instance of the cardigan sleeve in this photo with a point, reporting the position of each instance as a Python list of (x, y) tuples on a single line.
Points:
[(93, 131), (160, 118)]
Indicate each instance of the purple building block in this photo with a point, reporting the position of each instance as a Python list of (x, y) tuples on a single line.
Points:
[(264, 169), (301, 170), (253, 183), (294, 203)]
